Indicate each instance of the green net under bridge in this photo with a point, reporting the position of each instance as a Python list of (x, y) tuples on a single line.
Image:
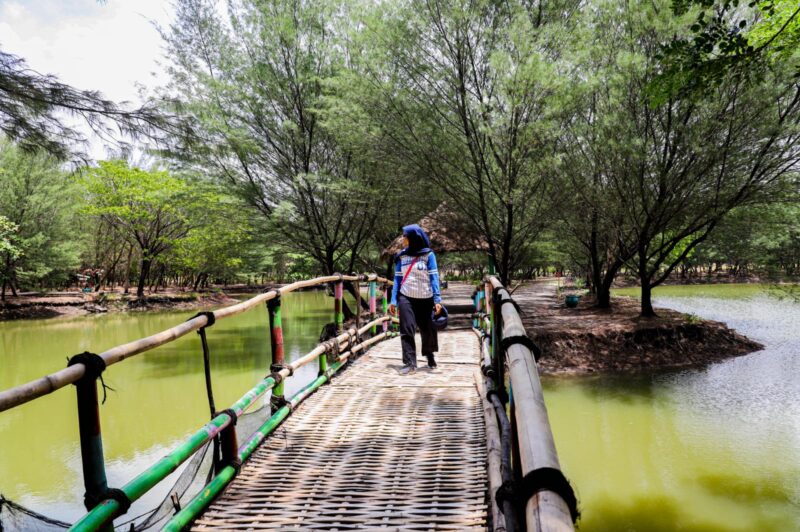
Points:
[(360, 447)]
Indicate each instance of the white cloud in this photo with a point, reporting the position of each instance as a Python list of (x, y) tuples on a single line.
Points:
[(110, 47)]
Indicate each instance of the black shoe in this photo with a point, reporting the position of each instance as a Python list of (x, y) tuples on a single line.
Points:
[(431, 362), (407, 369)]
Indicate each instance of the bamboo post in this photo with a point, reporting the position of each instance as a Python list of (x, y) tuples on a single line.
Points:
[(94, 470), (229, 445), (495, 337), (477, 300), (545, 510), (357, 287), (373, 286), (338, 317), (338, 313), (385, 306), (494, 453), (90, 434), (276, 341)]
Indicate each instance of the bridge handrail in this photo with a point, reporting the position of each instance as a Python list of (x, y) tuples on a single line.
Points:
[(109, 509), (24, 393), (546, 508)]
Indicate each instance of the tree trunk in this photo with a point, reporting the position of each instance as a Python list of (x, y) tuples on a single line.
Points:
[(604, 295), (647, 299), (143, 274), (128, 271), (329, 266)]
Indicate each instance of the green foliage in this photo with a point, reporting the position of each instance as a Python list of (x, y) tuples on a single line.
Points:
[(219, 244), (462, 95), (656, 178), (759, 239), (8, 230), (727, 37), (692, 319), (153, 210), (33, 107), (39, 242), (250, 88)]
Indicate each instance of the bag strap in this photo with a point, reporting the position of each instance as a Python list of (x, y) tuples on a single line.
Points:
[(410, 267)]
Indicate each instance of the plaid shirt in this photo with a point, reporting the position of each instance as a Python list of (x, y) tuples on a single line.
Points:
[(421, 283)]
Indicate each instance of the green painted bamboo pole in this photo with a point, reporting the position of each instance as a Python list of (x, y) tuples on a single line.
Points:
[(218, 483), (372, 305), (107, 510)]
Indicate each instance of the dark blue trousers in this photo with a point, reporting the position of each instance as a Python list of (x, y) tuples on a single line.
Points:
[(416, 313)]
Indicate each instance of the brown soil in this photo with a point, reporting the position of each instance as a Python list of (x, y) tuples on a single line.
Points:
[(77, 303), (589, 340)]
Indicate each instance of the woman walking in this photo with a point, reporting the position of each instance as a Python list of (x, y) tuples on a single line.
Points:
[(416, 294)]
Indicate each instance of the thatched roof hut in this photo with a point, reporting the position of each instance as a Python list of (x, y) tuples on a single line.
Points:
[(448, 232)]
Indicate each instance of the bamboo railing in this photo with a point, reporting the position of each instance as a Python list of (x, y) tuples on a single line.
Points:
[(49, 383), (533, 489), (105, 504)]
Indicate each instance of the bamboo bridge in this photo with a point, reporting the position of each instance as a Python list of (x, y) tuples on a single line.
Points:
[(466, 446)]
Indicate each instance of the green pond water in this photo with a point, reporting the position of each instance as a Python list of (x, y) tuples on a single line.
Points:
[(159, 396), (711, 449), (706, 450), (716, 291)]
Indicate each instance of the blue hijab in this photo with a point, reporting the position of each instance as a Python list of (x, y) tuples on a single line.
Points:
[(418, 242)]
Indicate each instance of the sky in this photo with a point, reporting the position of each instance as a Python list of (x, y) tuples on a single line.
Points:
[(110, 46)]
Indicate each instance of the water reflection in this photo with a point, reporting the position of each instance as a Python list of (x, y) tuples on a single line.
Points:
[(159, 396), (710, 449)]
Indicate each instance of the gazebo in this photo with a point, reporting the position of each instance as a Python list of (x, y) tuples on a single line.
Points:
[(449, 233)]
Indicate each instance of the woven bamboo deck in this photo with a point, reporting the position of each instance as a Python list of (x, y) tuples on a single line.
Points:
[(372, 450)]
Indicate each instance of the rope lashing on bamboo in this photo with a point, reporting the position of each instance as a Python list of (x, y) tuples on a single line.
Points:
[(220, 458), (278, 402), (114, 494), (486, 369), (275, 372), (505, 343), (231, 413), (502, 395), (500, 302), (331, 347), (95, 366), (542, 479), (209, 316)]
